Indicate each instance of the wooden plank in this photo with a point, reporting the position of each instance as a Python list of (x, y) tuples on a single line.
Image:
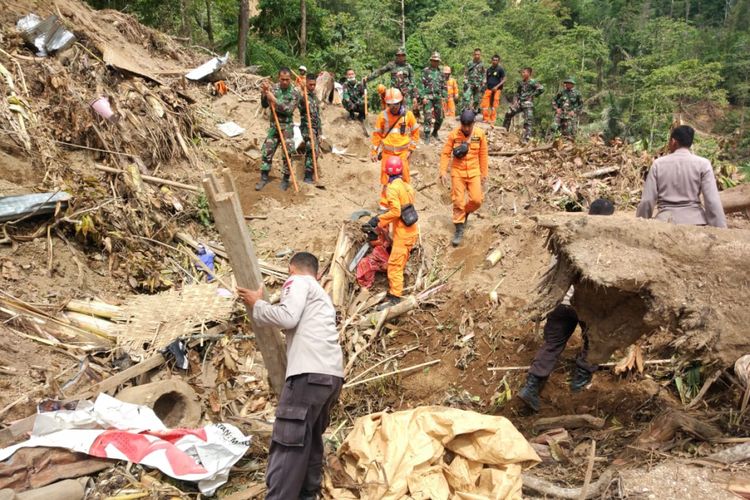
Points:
[(110, 384), (230, 223)]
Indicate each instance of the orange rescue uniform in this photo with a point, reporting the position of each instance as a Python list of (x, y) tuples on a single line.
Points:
[(467, 173), (449, 105), (400, 141), (398, 194), (489, 109)]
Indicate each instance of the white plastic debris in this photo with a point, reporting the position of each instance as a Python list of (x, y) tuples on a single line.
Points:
[(110, 428), (231, 129), (47, 36), (208, 68)]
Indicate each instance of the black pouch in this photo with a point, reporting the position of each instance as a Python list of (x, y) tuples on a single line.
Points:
[(402, 129), (409, 215), (461, 150)]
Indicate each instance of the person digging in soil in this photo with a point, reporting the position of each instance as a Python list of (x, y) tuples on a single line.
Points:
[(401, 213), (317, 126), (560, 325), (314, 376), (466, 152), (284, 98)]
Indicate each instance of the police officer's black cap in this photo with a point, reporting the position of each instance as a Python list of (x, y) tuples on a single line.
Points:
[(468, 117)]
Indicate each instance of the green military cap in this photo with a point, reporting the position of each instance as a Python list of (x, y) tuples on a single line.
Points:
[(435, 56), (569, 80), (401, 51)]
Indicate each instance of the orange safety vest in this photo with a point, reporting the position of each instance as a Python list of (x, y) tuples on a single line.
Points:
[(452, 87), (476, 160), (398, 193), (403, 134)]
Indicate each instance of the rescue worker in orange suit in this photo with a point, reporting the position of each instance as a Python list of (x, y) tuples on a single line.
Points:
[(381, 93), (400, 201), (449, 106), (396, 133), (495, 83), (465, 152)]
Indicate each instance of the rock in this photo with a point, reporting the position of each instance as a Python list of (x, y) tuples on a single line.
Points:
[(173, 401)]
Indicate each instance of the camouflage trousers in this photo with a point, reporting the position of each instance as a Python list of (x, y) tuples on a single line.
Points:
[(527, 108), (565, 123), (271, 144), (472, 97), (309, 166), (433, 109)]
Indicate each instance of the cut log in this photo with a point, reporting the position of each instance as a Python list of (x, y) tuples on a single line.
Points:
[(599, 172), (408, 304), (494, 257), (108, 385), (230, 223), (341, 257), (735, 199), (569, 422)]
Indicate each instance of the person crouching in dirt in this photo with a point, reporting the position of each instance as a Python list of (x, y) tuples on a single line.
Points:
[(314, 376), (283, 99), (405, 233), (466, 152), (560, 325)]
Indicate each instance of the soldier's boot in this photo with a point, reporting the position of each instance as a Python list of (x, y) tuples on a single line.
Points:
[(284, 183), (263, 180), (529, 393), (351, 115), (308, 177), (426, 136), (581, 378), (458, 236), (506, 121)]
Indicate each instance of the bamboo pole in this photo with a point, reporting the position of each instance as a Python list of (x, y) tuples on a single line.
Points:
[(151, 179), (283, 146), (312, 136), (402, 370)]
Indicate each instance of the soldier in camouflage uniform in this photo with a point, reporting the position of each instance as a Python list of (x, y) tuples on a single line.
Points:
[(284, 97), (432, 90), (474, 82), (567, 104), (317, 126), (354, 96), (402, 77), (526, 90)]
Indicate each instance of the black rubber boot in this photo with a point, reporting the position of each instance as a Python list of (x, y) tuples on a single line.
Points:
[(529, 393), (506, 122), (426, 137), (263, 181), (466, 221), (308, 177), (284, 183), (581, 378), (351, 115), (458, 236), (390, 301)]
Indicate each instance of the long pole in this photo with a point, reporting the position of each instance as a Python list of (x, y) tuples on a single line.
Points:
[(283, 145), (365, 101), (312, 136)]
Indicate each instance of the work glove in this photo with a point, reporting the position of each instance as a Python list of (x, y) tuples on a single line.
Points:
[(373, 223)]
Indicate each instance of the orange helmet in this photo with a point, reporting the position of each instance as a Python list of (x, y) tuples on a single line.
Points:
[(393, 96), (381, 88)]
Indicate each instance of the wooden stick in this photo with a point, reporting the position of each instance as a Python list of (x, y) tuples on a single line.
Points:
[(400, 353), (282, 138), (402, 370), (706, 386), (533, 483), (12, 405), (603, 365), (230, 223), (152, 180), (110, 384), (569, 422), (256, 217), (589, 471), (312, 136), (429, 184)]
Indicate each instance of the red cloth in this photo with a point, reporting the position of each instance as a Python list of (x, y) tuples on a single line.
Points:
[(376, 261)]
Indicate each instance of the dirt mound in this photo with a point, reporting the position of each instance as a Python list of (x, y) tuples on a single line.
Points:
[(634, 276)]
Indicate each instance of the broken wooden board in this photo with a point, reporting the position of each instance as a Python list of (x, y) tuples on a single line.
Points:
[(635, 276)]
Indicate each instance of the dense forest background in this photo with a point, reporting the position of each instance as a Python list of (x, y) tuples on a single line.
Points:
[(640, 64)]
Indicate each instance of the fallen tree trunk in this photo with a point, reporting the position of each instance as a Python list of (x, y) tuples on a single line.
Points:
[(569, 422), (735, 199), (341, 257), (408, 304), (600, 172), (634, 276)]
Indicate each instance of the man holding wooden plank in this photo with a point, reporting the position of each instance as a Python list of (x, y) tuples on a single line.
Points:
[(314, 377)]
